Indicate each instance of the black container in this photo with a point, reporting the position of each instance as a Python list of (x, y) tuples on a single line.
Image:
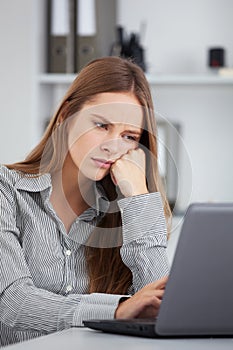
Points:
[(216, 57)]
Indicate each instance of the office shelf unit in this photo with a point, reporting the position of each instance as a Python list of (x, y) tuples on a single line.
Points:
[(51, 87), (188, 98)]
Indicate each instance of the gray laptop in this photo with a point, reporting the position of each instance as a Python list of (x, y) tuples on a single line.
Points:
[(198, 300)]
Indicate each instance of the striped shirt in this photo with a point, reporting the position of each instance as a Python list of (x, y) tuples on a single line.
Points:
[(43, 276)]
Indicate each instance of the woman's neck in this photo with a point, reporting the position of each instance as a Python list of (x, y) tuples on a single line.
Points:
[(72, 193)]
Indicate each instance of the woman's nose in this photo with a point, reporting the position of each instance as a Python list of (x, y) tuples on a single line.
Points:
[(112, 147)]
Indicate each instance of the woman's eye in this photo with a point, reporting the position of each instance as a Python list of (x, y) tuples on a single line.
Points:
[(101, 125), (131, 138)]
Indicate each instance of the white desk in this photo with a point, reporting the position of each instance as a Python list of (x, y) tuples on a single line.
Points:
[(85, 339)]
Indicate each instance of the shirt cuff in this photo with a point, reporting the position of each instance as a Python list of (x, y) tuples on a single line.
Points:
[(96, 306), (141, 215)]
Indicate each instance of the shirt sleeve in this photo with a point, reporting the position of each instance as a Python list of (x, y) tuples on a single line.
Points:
[(23, 306), (144, 238)]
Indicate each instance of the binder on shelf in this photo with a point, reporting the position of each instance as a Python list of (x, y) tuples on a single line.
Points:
[(86, 35), (96, 26), (61, 36)]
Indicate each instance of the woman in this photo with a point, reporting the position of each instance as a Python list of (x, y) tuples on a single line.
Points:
[(83, 228)]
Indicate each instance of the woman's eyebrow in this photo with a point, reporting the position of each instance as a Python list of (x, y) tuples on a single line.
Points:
[(106, 121), (134, 132)]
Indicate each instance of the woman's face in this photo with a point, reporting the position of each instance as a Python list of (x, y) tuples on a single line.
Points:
[(103, 131)]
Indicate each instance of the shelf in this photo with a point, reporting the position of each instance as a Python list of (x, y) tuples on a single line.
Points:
[(181, 79), (189, 79), (52, 79)]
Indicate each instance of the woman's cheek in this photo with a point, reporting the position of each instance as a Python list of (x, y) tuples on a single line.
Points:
[(128, 147)]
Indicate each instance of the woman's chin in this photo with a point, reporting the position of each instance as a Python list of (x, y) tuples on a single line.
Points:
[(96, 176)]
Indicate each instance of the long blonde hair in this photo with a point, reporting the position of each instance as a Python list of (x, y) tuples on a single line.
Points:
[(107, 273)]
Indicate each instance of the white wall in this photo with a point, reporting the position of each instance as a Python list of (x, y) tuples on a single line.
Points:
[(178, 34), (16, 74), (205, 114)]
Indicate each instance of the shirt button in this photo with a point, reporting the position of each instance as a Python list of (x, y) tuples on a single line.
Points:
[(68, 252), (69, 288)]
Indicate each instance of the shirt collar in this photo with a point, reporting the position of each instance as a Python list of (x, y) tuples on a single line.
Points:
[(32, 183)]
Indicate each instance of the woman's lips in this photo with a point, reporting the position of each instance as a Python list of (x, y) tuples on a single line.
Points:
[(102, 163)]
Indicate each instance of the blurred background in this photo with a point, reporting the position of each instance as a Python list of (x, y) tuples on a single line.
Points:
[(172, 40)]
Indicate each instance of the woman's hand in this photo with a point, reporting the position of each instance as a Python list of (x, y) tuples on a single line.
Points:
[(143, 304), (128, 173)]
